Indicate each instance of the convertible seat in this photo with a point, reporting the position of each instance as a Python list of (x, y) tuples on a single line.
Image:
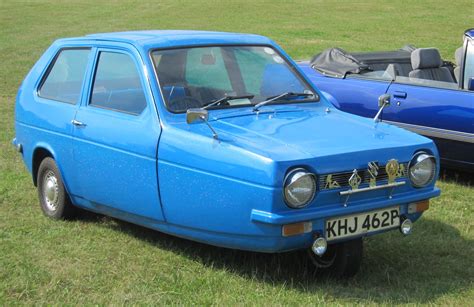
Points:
[(397, 69), (458, 58), (394, 70), (426, 63)]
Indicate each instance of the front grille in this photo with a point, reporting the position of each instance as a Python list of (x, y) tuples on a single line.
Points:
[(342, 178)]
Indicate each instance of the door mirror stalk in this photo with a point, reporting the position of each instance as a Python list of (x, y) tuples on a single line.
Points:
[(384, 101)]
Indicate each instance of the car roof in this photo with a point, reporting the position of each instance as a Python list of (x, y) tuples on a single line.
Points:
[(173, 38)]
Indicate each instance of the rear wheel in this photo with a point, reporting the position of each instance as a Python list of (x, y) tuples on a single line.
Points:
[(341, 259), (55, 202)]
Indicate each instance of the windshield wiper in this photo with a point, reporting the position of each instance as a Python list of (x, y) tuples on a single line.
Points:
[(225, 99), (281, 96)]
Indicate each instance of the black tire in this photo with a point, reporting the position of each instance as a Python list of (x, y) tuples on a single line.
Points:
[(341, 260), (54, 201)]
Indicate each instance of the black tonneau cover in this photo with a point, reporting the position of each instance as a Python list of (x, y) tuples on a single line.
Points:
[(338, 63)]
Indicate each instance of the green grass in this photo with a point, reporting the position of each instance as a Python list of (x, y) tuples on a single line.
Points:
[(98, 260)]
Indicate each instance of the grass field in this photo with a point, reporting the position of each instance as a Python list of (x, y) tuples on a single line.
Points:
[(98, 260)]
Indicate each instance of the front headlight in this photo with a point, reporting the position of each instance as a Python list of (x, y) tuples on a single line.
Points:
[(299, 188), (422, 169)]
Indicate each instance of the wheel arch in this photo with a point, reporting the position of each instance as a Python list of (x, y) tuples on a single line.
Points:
[(39, 154)]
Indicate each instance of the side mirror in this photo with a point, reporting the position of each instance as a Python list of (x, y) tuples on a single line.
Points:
[(470, 84), (193, 115), (384, 100)]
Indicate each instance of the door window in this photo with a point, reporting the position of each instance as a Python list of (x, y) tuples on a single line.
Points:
[(63, 82), (426, 82), (117, 84)]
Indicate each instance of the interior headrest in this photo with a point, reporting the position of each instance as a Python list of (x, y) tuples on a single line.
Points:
[(458, 56), (426, 58), (394, 70)]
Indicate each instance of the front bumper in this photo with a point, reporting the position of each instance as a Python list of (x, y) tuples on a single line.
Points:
[(318, 217), (294, 216)]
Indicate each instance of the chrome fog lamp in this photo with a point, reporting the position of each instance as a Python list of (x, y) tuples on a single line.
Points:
[(299, 188), (406, 227), (422, 169), (319, 247)]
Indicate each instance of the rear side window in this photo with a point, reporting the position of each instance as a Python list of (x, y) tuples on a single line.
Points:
[(117, 84), (63, 82)]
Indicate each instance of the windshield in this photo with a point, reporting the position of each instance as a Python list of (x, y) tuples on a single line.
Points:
[(196, 77)]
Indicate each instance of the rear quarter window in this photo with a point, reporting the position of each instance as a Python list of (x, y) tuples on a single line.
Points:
[(64, 78)]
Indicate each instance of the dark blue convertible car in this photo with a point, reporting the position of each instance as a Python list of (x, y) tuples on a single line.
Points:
[(423, 93)]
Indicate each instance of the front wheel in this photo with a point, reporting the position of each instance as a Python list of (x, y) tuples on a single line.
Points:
[(341, 259), (55, 202)]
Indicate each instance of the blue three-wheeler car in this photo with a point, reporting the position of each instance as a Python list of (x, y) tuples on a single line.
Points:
[(218, 138)]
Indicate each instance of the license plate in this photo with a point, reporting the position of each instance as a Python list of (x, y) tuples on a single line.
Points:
[(362, 223)]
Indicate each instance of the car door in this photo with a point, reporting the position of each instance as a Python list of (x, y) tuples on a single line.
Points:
[(354, 94), (116, 132), (439, 110), (57, 99)]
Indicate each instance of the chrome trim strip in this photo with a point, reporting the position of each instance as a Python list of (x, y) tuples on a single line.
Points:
[(436, 132), (315, 213), (379, 187), (335, 181)]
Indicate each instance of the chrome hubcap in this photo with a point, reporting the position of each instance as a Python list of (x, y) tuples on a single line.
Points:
[(50, 191)]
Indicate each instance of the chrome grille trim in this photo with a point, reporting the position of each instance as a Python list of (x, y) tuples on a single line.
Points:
[(342, 178)]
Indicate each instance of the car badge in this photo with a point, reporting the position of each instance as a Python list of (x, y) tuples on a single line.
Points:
[(401, 171), (373, 169), (355, 180), (392, 168), (331, 184)]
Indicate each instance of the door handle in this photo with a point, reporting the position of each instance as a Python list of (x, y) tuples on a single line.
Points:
[(77, 123), (401, 95)]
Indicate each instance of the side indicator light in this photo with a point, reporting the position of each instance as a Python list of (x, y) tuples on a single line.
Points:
[(419, 206), (296, 229)]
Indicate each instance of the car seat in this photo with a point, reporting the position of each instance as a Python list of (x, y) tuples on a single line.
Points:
[(394, 70), (427, 64)]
